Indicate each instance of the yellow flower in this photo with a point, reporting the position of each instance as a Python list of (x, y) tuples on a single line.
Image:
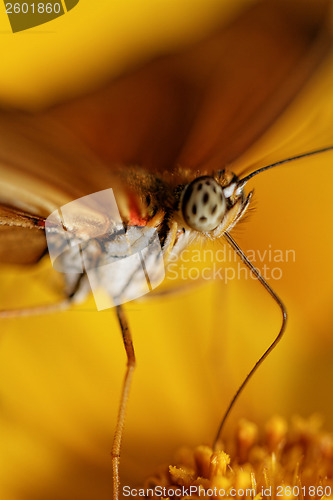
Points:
[(284, 461), (61, 375)]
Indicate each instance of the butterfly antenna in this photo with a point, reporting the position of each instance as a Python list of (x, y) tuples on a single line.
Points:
[(257, 274), (243, 181)]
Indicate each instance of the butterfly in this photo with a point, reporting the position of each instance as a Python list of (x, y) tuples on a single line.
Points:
[(184, 188)]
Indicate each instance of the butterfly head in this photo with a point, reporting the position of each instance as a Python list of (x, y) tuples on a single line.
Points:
[(206, 201)]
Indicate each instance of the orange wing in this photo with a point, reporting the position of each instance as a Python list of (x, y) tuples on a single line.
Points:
[(199, 108), (203, 107)]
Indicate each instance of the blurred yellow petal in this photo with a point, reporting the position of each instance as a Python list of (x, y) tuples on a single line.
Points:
[(61, 375), (95, 41)]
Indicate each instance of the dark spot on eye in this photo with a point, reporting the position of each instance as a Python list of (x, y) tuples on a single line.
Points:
[(148, 199), (207, 183), (214, 189), (200, 187), (214, 209), (203, 219), (221, 197), (187, 202), (205, 198), (194, 209)]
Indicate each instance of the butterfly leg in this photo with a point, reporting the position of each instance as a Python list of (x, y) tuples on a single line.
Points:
[(277, 339), (128, 344)]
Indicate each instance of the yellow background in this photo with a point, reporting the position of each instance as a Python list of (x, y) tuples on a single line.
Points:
[(60, 376), (95, 41)]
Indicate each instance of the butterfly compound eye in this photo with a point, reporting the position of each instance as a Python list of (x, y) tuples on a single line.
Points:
[(203, 204)]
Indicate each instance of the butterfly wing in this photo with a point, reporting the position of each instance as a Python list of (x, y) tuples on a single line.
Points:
[(41, 169), (204, 106), (42, 166), (21, 235), (200, 108)]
